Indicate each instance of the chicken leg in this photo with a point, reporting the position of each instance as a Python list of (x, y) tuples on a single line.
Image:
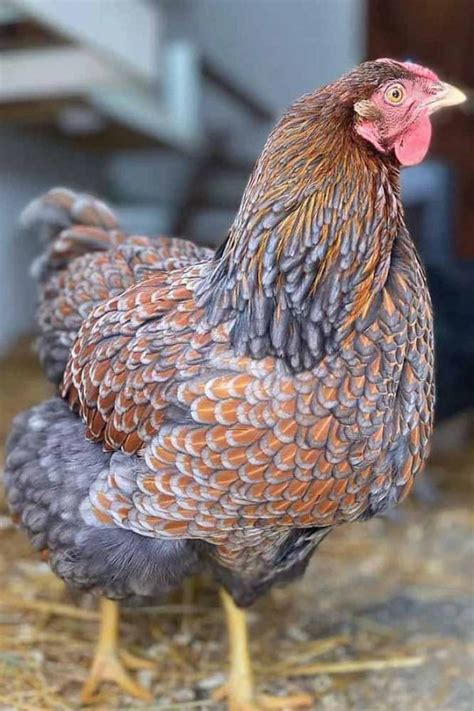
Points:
[(110, 663), (239, 690)]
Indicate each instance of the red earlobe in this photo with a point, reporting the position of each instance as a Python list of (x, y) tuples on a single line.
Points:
[(367, 130)]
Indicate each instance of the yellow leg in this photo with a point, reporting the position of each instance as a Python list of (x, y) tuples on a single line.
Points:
[(240, 690), (188, 597), (110, 664)]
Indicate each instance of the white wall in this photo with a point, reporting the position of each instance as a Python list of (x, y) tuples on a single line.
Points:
[(280, 49)]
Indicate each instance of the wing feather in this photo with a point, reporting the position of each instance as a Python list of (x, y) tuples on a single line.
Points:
[(234, 448)]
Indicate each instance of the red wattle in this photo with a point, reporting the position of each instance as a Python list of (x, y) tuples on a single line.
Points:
[(413, 144)]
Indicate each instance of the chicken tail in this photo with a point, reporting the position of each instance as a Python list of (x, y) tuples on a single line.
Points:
[(69, 225), (86, 260)]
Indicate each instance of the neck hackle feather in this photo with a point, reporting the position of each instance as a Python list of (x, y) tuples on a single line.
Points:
[(310, 247)]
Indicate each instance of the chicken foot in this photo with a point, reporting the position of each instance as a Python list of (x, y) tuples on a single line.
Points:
[(239, 690), (110, 663)]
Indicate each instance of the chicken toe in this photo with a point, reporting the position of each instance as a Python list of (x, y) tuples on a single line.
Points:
[(239, 691), (110, 663)]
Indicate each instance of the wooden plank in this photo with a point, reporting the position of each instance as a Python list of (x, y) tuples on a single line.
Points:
[(126, 31), (52, 72)]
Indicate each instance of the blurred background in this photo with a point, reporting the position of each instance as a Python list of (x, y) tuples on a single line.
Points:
[(161, 107)]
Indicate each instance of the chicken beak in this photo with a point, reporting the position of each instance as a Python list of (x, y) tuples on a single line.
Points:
[(448, 96)]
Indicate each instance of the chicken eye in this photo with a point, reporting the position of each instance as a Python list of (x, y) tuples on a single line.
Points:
[(395, 94)]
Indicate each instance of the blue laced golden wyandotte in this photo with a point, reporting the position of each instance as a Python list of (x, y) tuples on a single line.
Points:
[(225, 411)]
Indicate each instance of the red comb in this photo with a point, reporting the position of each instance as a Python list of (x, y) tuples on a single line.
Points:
[(414, 68), (421, 71)]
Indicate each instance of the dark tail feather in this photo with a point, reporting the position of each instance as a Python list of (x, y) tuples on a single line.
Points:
[(86, 259), (69, 224)]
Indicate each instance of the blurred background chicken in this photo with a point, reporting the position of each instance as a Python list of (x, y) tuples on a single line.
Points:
[(198, 161), (227, 411)]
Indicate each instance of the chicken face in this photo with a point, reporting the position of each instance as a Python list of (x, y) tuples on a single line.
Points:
[(396, 117)]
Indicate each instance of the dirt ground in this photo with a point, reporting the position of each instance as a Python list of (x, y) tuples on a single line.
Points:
[(382, 621)]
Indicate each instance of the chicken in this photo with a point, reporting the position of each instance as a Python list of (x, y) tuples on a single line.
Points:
[(225, 412)]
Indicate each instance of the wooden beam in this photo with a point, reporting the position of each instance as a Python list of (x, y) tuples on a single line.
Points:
[(26, 74), (235, 91), (125, 31), (137, 109)]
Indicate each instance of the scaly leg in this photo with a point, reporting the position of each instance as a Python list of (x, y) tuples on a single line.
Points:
[(188, 598), (110, 664), (239, 690)]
